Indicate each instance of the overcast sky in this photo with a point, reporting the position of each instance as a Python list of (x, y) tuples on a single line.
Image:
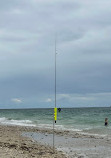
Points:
[(27, 35)]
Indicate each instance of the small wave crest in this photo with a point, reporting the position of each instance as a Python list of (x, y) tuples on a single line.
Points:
[(9, 121), (57, 127)]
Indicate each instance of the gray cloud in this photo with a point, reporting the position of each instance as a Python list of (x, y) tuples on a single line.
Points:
[(27, 35)]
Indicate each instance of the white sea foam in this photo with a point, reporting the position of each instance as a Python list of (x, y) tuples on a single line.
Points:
[(2, 119), (6, 121), (94, 134), (57, 127)]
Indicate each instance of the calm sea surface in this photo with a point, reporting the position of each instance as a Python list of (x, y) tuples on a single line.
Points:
[(88, 120)]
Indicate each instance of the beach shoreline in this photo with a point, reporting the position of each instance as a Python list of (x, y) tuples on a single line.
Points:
[(14, 145), (20, 141)]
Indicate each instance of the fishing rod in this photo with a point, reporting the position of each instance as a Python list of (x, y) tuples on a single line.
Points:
[(55, 108)]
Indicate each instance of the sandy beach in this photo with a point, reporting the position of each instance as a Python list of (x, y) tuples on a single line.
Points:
[(28, 142), (13, 145)]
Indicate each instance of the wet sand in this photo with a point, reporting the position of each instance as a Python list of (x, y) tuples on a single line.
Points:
[(14, 145), (74, 144), (28, 142)]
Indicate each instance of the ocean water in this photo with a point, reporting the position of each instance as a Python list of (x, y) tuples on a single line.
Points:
[(85, 120)]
